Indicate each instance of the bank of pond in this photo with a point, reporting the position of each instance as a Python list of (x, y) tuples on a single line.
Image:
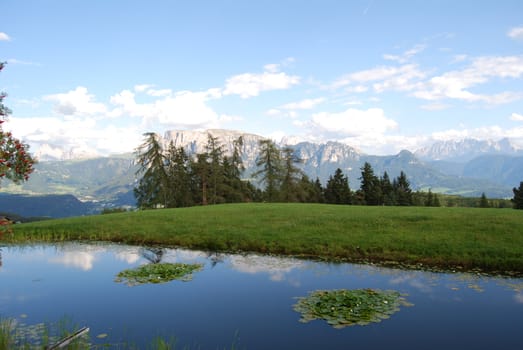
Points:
[(153, 297), (464, 239)]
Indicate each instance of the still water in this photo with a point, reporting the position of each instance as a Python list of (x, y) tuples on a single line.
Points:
[(248, 300)]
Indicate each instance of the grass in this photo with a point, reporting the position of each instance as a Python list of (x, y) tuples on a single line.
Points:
[(490, 240), (44, 336)]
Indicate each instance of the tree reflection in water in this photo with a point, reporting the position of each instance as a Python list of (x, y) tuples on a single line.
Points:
[(153, 254)]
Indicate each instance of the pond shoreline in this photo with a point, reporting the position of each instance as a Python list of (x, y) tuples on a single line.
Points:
[(487, 241)]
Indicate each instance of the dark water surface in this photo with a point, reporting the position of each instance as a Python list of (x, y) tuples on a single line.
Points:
[(248, 299)]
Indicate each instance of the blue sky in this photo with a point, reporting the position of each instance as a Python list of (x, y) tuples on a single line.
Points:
[(379, 75)]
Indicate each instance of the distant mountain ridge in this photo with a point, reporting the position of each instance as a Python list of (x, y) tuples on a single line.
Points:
[(109, 181), (466, 149)]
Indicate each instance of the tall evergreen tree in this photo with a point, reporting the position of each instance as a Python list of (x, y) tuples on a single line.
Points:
[(429, 202), (518, 196), (402, 190), (387, 191), (200, 174), (370, 185), (436, 202), (235, 189), (179, 178), (216, 179), (337, 190), (152, 187), (483, 201), (290, 176), (305, 190), (270, 162)]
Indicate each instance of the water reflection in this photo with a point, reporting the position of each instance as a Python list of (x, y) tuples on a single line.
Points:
[(46, 282), (276, 267), (82, 260), (153, 254)]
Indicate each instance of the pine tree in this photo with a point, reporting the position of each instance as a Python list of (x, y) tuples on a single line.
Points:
[(179, 178), (518, 196), (483, 202), (270, 162), (436, 202), (290, 176), (402, 190), (430, 199), (370, 185), (216, 179), (387, 191), (200, 168), (152, 187), (337, 190)]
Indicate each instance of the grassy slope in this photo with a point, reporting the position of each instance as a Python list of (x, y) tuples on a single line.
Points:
[(488, 239)]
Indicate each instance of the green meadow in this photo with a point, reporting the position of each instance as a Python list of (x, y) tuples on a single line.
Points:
[(488, 240)]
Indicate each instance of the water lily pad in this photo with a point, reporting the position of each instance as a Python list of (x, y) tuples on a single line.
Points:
[(342, 308), (157, 273)]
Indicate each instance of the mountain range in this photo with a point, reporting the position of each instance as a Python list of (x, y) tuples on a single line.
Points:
[(466, 167)]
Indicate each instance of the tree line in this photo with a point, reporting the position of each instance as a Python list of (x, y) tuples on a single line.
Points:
[(172, 178)]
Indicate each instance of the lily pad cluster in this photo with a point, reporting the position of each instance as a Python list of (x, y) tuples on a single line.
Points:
[(342, 308), (157, 273)]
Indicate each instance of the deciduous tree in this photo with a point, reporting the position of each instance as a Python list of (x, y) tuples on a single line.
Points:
[(16, 163)]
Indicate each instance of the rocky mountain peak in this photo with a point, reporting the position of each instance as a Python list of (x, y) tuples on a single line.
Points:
[(466, 149)]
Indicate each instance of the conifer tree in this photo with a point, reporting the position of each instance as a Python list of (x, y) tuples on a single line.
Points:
[(387, 191), (370, 185), (152, 187), (483, 202), (337, 190), (518, 196), (179, 179), (270, 162), (290, 176), (402, 190), (430, 199)]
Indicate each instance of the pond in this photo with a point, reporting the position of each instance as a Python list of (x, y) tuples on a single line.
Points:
[(247, 301)]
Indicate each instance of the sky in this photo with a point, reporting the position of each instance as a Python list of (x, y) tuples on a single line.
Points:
[(378, 75)]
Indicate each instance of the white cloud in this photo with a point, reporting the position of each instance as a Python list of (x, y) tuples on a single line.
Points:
[(405, 56), (304, 104), (76, 102), (178, 110), (493, 132), (79, 136), (273, 112), (80, 260), (354, 122), (142, 87), (516, 117), (434, 107), (4, 37), (20, 62), (251, 84), (159, 93), (516, 33), (456, 84), (402, 78)]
